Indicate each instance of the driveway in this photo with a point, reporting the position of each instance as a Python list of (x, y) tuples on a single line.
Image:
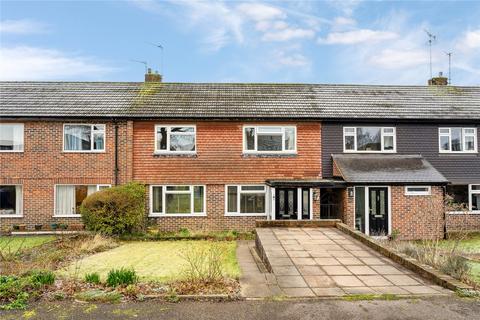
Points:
[(325, 262)]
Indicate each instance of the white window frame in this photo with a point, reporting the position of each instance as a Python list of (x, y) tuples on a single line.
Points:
[(104, 131), (16, 215), (449, 135), (382, 140), (55, 215), (164, 205), (23, 136), (427, 192), (470, 193), (239, 192), (169, 128), (255, 127)]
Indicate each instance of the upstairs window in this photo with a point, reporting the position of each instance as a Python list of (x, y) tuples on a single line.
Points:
[(84, 137), (11, 137), (175, 139), (269, 139), (369, 139), (460, 140)]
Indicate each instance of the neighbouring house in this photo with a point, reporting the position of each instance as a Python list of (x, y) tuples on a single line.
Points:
[(221, 156)]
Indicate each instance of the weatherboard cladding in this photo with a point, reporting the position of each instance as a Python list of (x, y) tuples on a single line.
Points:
[(412, 138), (236, 100)]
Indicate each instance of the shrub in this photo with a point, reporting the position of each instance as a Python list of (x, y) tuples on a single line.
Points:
[(92, 278), (122, 276), (456, 266), (115, 211), (204, 264)]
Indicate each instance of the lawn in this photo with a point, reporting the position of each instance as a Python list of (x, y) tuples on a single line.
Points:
[(470, 245), (152, 260), (14, 243)]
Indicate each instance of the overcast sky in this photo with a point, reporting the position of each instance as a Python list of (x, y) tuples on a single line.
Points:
[(225, 41)]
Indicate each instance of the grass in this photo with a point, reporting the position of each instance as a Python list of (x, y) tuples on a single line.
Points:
[(152, 260), (369, 297), (469, 245), (15, 243)]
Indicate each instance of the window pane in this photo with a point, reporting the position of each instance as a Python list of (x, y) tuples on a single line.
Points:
[(469, 131), (157, 205), (11, 137), (252, 202), (269, 142), (162, 138), (289, 138), (98, 141), (388, 130), (65, 200), (475, 187), (182, 142), (349, 143), (444, 143), (469, 143), (270, 129), (81, 192), (103, 187), (77, 137), (305, 203), (182, 129), (99, 127), (247, 188), (360, 208), (475, 201), (349, 130), (198, 194), (250, 138), (232, 195), (456, 139), (459, 195), (445, 131), (177, 203), (388, 143), (368, 139), (8, 200), (178, 188)]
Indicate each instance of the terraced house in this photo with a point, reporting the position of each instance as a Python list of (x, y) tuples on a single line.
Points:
[(221, 156)]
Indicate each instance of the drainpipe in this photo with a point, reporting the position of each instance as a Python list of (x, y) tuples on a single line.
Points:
[(115, 125)]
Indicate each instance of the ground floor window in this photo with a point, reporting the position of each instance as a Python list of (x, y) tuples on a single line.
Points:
[(248, 200), (68, 198), (463, 197), (177, 200), (418, 190), (11, 200)]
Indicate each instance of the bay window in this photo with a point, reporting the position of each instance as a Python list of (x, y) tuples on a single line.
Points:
[(68, 198), (269, 139), (84, 137), (369, 139), (457, 140), (177, 200), (11, 200), (11, 137), (245, 200), (175, 139)]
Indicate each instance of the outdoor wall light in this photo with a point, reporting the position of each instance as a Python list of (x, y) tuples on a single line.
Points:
[(350, 192)]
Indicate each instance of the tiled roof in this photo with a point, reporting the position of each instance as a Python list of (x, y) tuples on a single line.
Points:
[(386, 169), (236, 100)]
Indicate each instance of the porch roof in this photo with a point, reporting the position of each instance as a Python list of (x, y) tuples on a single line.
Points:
[(296, 183), (381, 168)]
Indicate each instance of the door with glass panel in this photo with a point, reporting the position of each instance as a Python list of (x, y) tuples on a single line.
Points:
[(286, 204), (378, 210)]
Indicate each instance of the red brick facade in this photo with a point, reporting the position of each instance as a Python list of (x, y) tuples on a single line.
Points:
[(462, 222)]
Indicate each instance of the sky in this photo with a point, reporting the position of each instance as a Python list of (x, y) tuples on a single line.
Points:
[(353, 42)]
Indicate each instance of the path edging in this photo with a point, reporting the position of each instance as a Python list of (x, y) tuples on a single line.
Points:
[(423, 270)]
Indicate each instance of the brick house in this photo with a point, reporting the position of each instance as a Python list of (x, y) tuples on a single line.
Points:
[(221, 156)]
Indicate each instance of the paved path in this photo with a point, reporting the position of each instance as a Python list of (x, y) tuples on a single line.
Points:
[(438, 308), (309, 262)]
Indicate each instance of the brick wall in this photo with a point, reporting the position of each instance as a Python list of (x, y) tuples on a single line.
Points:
[(414, 217), (44, 164), (463, 222), (219, 158)]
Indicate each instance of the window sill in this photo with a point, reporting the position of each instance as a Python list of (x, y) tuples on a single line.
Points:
[(175, 154), (84, 151), (476, 212), (177, 215), (269, 154), (67, 216), (376, 152), (11, 216), (245, 214), (11, 151), (454, 153)]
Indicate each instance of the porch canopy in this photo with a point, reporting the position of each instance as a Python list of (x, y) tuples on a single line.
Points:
[(382, 168), (310, 183)]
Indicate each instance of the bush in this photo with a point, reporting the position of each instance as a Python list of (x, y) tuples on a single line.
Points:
[(456, 266), (118, 277), (115, 211), (204, 264), (92, 278)]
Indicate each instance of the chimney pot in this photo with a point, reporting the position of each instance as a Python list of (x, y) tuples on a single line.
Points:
[(438, 81)]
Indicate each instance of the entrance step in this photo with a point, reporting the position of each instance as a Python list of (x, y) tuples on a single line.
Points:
[(298, 223)]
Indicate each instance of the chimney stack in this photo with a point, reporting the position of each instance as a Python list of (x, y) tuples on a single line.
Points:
[(153, 76), (438, 81)]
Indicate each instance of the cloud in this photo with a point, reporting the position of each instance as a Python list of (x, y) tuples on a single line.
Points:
[(339, 22), (358, 36), (31, 63), (260, 12), (288, 34), (394, 59), (470, 40), (290, 59), (22, 26)]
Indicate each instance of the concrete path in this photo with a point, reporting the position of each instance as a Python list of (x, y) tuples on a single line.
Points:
[(325, 262)]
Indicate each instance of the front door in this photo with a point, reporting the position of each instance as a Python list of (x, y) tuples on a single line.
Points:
[(378, 210), (286, 204)]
